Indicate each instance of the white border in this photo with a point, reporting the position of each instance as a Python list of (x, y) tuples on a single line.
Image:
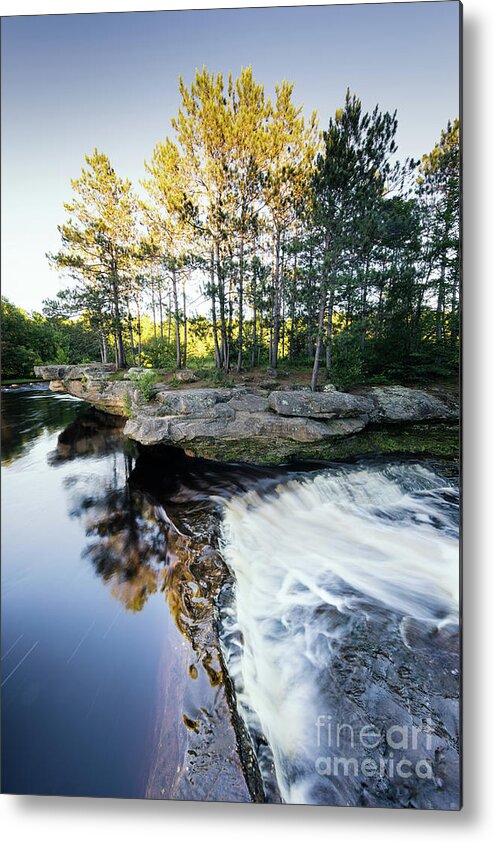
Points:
[(80, 820)]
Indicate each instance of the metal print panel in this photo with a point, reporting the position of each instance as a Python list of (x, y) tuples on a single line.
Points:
[(230, 405)]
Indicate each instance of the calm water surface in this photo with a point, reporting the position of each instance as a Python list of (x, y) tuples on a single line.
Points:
[(80, 660)]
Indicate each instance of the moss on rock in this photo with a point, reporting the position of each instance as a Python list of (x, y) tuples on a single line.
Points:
[(435, 441)]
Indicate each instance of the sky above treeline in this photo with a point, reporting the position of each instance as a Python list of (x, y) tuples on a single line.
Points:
[(71, 83)]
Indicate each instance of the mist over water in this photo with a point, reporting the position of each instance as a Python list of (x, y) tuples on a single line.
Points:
[(343, 615)]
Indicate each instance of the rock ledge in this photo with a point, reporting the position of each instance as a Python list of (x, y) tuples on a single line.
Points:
[(192, 417)]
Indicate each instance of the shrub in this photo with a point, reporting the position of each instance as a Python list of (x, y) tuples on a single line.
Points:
[(347, 363), (145, 382)]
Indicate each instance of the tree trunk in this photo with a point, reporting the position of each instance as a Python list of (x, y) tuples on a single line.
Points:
[(120, 349), (275, 340), (440, 304), (131, 335), (184, 347), (254, 327), (320, 332), (221, 297), (177, 318), (139, 332), (329, 333), (253, 353), (153, 307), (217, 355), (291, 346), (160, 304), (104, 347), (241, 307), (441, 292), (363, 309), (169, 327), (231, 285)]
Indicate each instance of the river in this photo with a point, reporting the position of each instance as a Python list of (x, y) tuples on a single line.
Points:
[(177, 628)]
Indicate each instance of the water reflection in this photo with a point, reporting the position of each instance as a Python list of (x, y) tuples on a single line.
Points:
[(80, 695), (120, 690), (122, 696), (27, 414), (150, 529), (91, 434)]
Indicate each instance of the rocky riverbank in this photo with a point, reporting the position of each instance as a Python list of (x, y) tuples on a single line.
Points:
[(269, 423)]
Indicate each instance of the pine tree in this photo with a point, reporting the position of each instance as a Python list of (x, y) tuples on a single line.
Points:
[(98, 238)]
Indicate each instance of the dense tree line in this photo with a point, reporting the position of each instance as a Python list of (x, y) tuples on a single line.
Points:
[(308, 247), (29, 340)]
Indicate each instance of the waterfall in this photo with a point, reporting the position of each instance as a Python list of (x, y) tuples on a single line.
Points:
[(342, 623)]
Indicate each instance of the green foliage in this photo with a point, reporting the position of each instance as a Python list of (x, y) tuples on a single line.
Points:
[(158, 354), (145, 382), (347, 363), (221, 378), (127, 405), (306, 248), (29, 340)]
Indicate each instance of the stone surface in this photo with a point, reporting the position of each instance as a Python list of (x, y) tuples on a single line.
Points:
[(134, 371), (193, 402), (290, 420), (95, 371), (319, 404), (249, 403), (148, 430), (57, 386), (108, 396), (401, 404), (186, 376)]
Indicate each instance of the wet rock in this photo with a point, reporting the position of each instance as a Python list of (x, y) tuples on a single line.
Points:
[(245, 426), (148, 430), (57, 386), (108, 396), (272, 419), (223, 423)]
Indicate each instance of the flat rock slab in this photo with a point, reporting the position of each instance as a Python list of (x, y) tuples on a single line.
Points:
[(95, 371), (320, 404), (401, 404), (196, 402)]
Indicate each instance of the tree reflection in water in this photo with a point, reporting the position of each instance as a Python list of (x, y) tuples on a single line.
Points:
[(137, 551), (142, 541), (150, 529)]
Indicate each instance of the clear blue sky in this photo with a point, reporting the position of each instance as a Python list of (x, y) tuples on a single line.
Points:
[(71, 83)]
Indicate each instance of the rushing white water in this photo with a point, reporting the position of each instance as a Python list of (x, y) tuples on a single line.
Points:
[(350, 557)]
